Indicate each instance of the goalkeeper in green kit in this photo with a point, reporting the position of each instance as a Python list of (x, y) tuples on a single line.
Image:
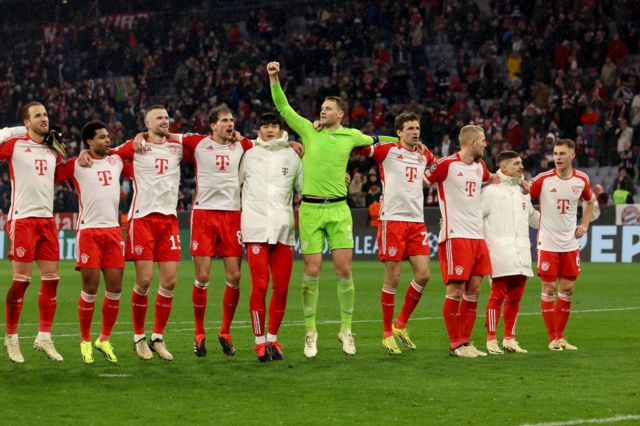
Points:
[(324, 212)]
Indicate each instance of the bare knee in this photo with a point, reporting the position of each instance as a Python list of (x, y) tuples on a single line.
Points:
[(422, 277)]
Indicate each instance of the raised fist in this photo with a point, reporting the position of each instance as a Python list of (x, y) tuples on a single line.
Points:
[(273, 68)]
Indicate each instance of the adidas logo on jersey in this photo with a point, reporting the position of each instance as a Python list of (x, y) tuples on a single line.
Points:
[(27, 150), (460, 174), (148, 149), (554, 190), (210, 148)]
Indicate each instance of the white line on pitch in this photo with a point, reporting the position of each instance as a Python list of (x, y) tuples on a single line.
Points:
[(114, 375), (247, 324), (588, 421)]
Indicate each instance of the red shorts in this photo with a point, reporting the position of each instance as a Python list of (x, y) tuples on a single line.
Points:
[(154, 237), (215, 233), (33, 238), (399, 240), (463, 258), (553, 265), (100, 248)]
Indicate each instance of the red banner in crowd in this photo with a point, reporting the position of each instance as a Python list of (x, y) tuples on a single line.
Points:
[(122, 21)]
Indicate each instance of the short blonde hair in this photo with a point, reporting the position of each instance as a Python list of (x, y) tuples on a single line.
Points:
[(468, 132)]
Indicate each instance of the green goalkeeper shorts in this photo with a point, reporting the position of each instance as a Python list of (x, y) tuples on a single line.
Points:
[(319, 221)]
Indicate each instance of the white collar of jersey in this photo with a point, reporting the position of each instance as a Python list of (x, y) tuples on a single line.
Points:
[(508, 180), (275, 144)]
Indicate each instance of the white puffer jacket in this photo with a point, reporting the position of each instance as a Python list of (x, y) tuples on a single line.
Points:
[(508, 214), (269, 174)]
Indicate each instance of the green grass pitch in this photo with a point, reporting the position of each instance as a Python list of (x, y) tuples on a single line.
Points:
[(601, 379)]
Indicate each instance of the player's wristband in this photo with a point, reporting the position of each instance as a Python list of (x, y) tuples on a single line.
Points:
[(376, 139)]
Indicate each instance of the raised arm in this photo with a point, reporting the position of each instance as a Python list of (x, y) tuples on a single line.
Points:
[(9, 132), (299, 124)]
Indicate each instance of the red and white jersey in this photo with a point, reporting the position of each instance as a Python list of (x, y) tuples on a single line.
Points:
[(402, 174), (32, 168), (155, 176), (98, 189), (217, 165), (459, 196), (559, 200)]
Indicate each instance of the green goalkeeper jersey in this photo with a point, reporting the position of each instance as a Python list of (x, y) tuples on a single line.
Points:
[(326, 153)]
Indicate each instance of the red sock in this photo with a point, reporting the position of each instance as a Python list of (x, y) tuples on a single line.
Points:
[(451, 314), (494, 305), (229, 304), (164, 300), (86, 305), (47, 302), (468, 314), (411, 298), (388, 301), (258, 260), (512, 306), (199, 300), (548, 308), (281, 264), (14, 301), (110, 308), (563, 309), (139, 311)]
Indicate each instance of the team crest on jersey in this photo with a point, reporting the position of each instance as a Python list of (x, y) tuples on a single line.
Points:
[(173, 150), (459, 269), (577, 189), (111, 160), (194, 245), (255, 248), (393, 251), (545, 266), (84, 258), (21, 251), (138, 250)]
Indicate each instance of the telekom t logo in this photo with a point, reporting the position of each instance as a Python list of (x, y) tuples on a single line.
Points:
[(104, 176), (222, 161), (470, 187), (41, 166), (162, 164), (562, 205), (411, 172)]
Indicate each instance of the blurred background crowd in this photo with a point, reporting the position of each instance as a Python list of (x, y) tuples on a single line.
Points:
[(529, 72)]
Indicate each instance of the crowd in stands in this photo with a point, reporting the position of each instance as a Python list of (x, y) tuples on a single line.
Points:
[(529, 72)]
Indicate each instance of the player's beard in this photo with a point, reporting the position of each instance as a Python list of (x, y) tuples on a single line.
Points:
[(39, 132)]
